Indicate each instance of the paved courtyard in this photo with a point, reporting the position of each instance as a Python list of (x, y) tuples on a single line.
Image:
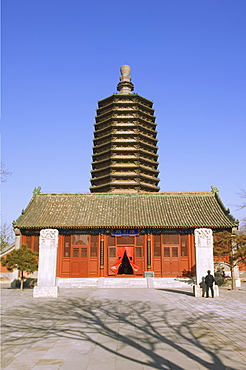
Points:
[(123, 329)]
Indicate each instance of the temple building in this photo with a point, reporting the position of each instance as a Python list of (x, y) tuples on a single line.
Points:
[(124, 226)]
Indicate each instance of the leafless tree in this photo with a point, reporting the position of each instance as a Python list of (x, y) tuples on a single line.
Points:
[(4, 172), (6, 236)]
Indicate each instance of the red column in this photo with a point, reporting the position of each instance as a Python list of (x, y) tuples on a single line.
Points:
[(102, 257), (148, 252), (192, 255)]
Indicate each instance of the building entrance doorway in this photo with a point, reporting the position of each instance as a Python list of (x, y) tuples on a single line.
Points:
[(124, 261), (79, 261), (171, 260), (125, 266)]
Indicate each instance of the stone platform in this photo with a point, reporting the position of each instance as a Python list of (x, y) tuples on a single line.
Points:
[(124, 282)]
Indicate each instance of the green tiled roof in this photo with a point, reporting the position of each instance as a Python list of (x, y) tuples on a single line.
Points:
[(149, 210)]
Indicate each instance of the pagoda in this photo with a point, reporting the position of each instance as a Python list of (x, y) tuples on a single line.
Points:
[(125, 158)]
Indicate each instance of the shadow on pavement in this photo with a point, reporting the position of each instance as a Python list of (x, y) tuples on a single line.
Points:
[(177, 291), (142, 326)]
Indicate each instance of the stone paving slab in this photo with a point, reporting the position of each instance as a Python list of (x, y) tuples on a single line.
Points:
[(91, 328)]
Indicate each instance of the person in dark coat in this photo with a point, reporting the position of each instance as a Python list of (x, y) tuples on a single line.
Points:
[(209, 280)]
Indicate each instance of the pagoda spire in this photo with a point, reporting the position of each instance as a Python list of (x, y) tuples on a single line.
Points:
[(125, 86)]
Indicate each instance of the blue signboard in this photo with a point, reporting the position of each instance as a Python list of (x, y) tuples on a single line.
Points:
[(124, 232)]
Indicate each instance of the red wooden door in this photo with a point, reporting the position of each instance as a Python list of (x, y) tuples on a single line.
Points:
[(111, 259), (79, 261), (139, 254), (139, 260), (170, 261)]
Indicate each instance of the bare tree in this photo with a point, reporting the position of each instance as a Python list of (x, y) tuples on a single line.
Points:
[(242, 206), (243, 196), (6, 236), (231, 250), (4, 172)]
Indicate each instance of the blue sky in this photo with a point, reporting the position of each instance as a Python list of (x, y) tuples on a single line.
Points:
[(60, 57)]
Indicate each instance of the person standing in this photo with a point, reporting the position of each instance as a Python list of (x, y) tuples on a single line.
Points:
[(209, 280)]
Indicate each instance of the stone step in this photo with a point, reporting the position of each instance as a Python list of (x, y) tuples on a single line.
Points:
[(76, 282), (118, 283), (122, 283)]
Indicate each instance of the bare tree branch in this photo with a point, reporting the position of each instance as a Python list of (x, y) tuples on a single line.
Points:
[(242, 195), (4, 173)]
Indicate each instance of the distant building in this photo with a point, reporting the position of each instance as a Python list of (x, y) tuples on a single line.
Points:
[(124, 226)]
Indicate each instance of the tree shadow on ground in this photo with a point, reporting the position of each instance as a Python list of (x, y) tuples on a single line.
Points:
[(150, 330)]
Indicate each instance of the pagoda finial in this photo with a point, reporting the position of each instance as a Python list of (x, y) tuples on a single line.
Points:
[(125, 73), (125, 86)]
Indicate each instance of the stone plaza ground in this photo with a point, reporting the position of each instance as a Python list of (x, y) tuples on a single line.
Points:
[(93, 328)]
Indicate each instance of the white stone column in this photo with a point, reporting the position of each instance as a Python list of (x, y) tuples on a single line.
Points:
[(237, 277), (204, 260), (17, 242), (236, 268), (48, 243)]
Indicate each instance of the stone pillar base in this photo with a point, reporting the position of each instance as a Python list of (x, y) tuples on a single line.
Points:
[(199, 292), (238, 283), (45, 292), (216, 291), (100, 282), (150, 282)]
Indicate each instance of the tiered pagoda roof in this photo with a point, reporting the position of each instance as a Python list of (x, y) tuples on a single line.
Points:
[(125, 146)]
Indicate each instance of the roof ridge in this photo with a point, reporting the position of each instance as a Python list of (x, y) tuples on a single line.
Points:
[(133, 194)]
